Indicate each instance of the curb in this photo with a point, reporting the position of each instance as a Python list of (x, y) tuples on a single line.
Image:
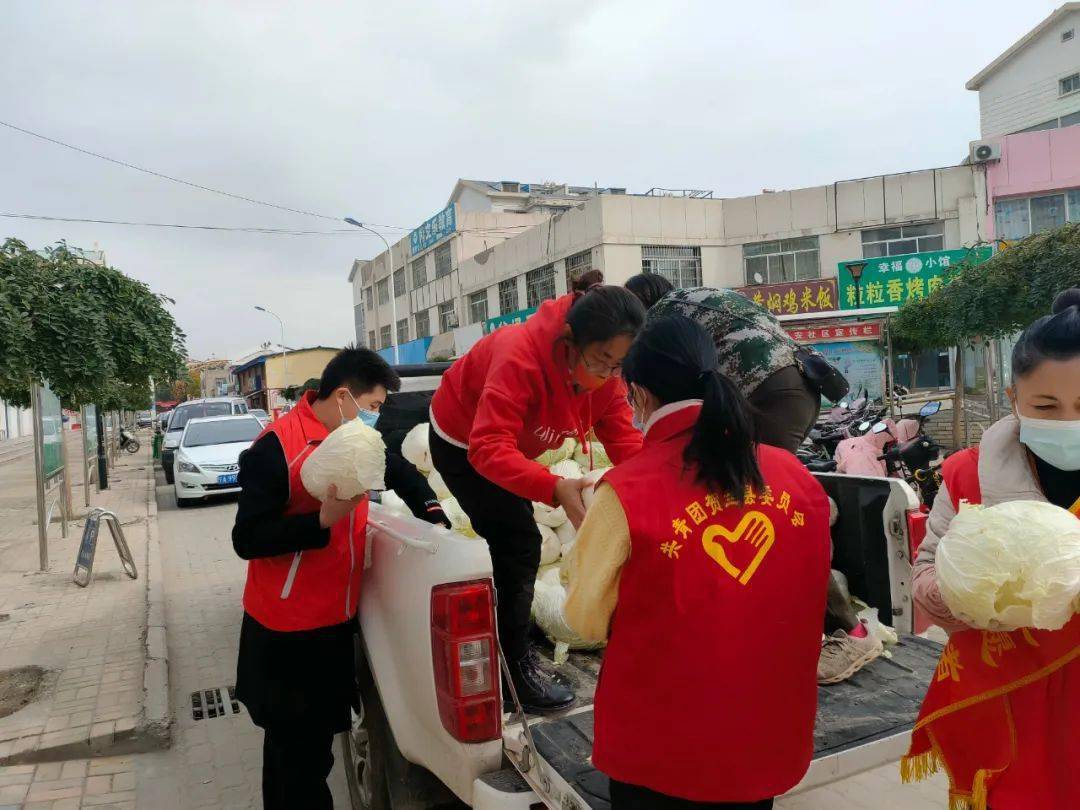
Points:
[(155, 726)]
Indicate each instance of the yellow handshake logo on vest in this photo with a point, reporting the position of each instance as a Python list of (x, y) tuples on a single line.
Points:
[(755, 529)]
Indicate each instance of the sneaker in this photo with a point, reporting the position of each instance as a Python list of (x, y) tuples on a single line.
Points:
[(538, 691), (843, 655)]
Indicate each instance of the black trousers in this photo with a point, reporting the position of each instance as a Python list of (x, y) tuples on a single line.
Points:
[(295, 767), (505, 521), (787, 407), (625, 796)]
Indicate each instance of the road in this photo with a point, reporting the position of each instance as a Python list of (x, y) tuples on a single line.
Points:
[(214, 762)]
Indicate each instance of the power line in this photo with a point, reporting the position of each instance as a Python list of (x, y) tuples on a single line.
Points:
[(163, 176), (287, 232)]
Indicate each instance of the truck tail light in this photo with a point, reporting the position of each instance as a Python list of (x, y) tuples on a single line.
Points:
[(916, 526), (466, 662)]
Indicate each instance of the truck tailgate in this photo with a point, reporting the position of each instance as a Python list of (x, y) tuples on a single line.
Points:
[(861, 723)]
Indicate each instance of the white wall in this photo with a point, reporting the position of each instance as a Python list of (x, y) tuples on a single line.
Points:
[(1024, 90)]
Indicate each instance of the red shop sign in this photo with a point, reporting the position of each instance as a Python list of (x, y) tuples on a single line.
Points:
[(871, 330)]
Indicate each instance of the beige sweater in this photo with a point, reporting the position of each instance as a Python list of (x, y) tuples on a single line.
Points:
[(600, 551)]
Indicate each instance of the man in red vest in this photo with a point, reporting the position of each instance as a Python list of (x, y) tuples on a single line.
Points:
[(295, 672)]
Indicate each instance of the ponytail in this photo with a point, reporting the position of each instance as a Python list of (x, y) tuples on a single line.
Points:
[(674, 358), (722, 447)]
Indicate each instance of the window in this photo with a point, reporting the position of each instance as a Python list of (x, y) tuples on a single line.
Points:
[(447, 317), (782, 260), (902, 239), (478, 307), (508, 296), (399, 283), (358, 322), (403, 331), (383, 289), (679, 265), (1070, 84), (369, 300), (371, 340), (1015, 219), (422, 321), (384, 336), (419, 272), (442, 260), (539, 285), (226, 431), (576, 266)]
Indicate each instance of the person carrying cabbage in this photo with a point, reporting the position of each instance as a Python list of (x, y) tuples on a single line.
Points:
[(1003, 714), (295, 668), (703, 560), (520, 391)]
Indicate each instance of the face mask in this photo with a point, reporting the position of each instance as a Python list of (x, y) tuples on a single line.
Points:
[(369, 418), (1054, 441), (639, 423)]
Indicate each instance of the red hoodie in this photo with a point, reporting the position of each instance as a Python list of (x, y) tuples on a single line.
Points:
[(510, 398)]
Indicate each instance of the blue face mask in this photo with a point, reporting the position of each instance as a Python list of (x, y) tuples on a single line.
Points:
[(1055, 441), (369, 418)]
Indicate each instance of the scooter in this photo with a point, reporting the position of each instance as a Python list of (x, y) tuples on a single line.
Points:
[(128, 442), (893, 449)]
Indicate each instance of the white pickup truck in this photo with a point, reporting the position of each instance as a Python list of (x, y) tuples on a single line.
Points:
[(432, 732)]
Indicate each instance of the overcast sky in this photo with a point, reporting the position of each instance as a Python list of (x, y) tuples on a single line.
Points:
[(373, 110)]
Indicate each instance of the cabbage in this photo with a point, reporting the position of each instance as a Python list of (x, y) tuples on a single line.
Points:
[(414, 447), (566, 534), (565, 469), (544, 515), (1013, 565), (547, 611), (549, 545), (352, 457), (599, 456), (438, 486), (588, 494), (561, 453), (393, 502), (457, 517)]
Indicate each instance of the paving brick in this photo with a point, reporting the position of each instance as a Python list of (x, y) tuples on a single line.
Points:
[(98, 785)]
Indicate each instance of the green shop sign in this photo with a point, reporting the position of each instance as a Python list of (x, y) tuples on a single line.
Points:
[(491, 324), (889, 281)]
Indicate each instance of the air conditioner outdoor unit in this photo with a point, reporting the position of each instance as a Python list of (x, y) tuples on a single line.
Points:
[(984, 151)]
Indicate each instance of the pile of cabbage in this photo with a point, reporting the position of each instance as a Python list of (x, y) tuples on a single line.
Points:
[(1012, 565), (557, 534)]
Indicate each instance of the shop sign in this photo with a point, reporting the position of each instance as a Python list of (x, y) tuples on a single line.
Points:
[(794, 297), (491, 324), (434, 230), (890, 281), (871, 330)]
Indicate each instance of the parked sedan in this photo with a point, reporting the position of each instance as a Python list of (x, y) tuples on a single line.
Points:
[(261, 415), (208, 456)]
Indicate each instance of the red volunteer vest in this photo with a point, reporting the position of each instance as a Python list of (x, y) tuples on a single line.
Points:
[(317, 587), (708, 690), (1001, 713)]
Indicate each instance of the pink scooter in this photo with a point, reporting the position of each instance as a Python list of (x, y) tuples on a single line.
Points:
[(864, 455)]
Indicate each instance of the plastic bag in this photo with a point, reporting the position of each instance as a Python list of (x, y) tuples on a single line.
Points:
[(1013, 565), (353, 458), (414, 447)]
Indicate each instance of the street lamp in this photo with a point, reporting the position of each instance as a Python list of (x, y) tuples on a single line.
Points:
[(284, 360), (393, 292), (856, 271)]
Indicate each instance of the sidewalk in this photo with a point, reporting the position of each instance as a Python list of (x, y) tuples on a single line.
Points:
[(103, 685)]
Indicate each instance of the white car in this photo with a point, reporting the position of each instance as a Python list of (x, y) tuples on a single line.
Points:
[(208, 456)]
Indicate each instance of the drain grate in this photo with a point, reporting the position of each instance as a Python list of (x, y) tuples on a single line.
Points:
[(211, 703)]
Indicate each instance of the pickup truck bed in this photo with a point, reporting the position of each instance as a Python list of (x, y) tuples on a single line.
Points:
[(879, 702)]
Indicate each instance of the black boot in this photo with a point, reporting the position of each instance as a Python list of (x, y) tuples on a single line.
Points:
[(538, 692)]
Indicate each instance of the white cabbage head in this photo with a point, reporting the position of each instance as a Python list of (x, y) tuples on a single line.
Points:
[(1013, 565), (352, 457), (414, 447)]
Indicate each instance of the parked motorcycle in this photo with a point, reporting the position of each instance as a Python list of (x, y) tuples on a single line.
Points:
[(128, 442)]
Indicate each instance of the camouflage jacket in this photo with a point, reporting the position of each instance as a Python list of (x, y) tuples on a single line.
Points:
[(750, 343)]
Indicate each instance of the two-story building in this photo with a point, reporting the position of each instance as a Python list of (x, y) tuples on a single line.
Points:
[(263, 374)]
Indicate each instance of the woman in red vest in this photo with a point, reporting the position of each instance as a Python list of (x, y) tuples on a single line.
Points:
[(1003, 714), (519, 392), (704, 559)]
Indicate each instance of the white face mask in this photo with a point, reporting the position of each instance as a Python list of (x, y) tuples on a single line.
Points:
[(1055, 441)]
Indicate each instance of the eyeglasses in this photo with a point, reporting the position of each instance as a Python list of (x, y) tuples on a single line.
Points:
[(599, 368)]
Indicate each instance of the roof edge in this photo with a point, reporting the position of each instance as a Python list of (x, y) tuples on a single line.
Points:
[(976, 81)]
